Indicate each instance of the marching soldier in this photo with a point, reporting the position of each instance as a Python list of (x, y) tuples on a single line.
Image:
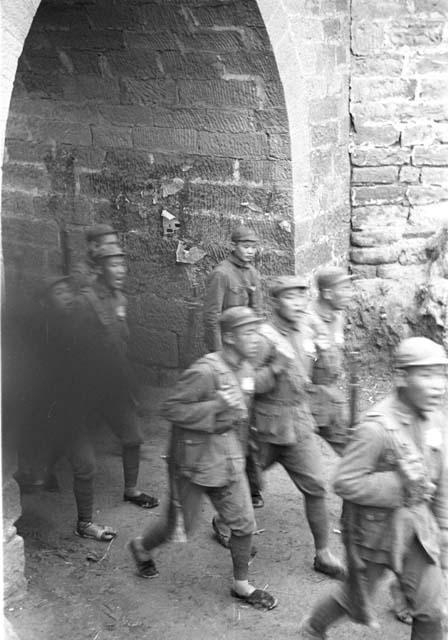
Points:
[(85, 272), (393, 477), (209, 414), (111, 390), (235, 282), (284, 426), (328, 404)]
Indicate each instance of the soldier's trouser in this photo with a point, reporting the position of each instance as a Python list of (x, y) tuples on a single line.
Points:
[(302, 461), (123, 421), (80, 452), (233, 504), (422, 585), (330, 413)]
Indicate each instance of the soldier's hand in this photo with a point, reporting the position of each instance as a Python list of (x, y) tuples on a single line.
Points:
[(229, 398), (281, 362)]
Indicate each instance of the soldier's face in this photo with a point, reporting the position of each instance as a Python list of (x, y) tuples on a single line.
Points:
[(61, 297), (245, 340), (245, 251), (292, 304), (423, 387), (340, 295), (114, 272)]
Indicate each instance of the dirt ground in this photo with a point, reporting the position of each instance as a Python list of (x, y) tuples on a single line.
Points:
[(79, 589)]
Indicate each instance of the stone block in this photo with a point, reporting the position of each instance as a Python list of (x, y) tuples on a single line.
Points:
[(413, 251), (433, 215), (367, 89), (413, 32), (409, 174), (375, 255), (279, 146), (235, 146), (411, 273), (423, 194), (441, 131), (435, 175), (372, 157), (212, 41), (92, 40), (383, 175), (429, 62), (134, 91), (378, 194), (417, 133), (224, 93), (26, 177), (158, 138), (249, 63), (433, 89), (436, 155), (223, 15), (272, 120), (38, 232), (111, 136), (325, 134), (379, 65), (381, 134), (14, 582), (90, 87), (363, 271), (17, 204), (155, 346), (375, 237)]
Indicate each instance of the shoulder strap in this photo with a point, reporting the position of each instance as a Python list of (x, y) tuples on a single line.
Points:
[(89, 294)]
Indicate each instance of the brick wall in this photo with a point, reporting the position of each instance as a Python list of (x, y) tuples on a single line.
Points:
[(399, 154)]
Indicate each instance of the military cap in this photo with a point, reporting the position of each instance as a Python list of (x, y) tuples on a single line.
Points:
[(329, 277), (243, 234), (419, 352), (237, 317), (99, 230), (109, 251), (283, 283)]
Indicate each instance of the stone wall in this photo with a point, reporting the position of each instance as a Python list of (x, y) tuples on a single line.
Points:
[(122, 114), (399, 154)]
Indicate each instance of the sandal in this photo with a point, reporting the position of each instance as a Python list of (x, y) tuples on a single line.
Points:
[(145, 568), (260, 599), (142, 500), (100, 532)]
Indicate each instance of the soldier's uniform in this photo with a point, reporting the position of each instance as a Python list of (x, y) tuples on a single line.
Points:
[(233, 283), (207, 455), (85, 272), (283, 421), (390, 527), (327, 401), (109, 380)]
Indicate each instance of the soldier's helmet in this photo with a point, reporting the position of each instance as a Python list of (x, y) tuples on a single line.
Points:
[(243, 234), (283, 283), (419, 352), (237, 317), (329, 277)]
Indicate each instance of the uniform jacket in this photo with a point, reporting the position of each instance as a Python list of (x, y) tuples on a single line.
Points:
[(368, 476), (104, 333), (84, 273), (209, 447), (232, 283), (326, 400), (281, 404)]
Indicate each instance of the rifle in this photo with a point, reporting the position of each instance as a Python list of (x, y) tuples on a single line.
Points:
[(359, 599), (177, 525), (66, 251)]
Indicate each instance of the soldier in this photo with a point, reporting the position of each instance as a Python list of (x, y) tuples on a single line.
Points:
[(327, 402), (235, 282), (84, 273), (65, 432), (107, 369), (283, 421), (393, 477), (209, 414)]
